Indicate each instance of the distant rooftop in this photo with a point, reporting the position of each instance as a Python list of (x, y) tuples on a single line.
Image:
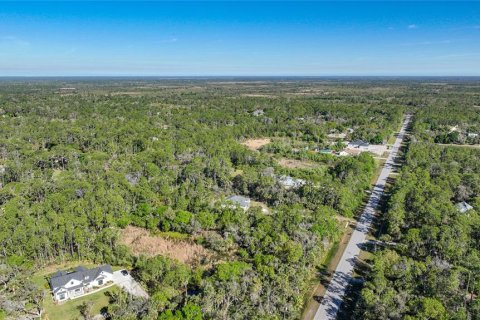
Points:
[(463, 207), (242, 201)]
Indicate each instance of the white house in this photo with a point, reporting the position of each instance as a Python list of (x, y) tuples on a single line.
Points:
[(472, 135), (68, 285), (463, 207), (241, 201), (288, 182)]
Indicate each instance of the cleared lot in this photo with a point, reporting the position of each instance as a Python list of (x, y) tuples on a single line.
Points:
[(141, 241)]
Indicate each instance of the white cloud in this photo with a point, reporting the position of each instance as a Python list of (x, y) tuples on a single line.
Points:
[(412, 26)]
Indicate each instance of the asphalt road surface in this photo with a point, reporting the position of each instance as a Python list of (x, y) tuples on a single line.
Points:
[(335, 293)]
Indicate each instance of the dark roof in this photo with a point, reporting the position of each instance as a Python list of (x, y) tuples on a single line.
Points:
[(59, 274), (61, 278), (359, 143)]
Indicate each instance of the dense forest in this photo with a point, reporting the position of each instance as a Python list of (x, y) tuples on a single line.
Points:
[(79, 166), (81, 161)]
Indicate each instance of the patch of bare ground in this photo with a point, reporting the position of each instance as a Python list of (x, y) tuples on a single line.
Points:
[(255, 144), (296, 164), (141, 241)]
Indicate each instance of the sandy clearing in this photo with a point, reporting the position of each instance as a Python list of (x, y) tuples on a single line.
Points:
[(255, 144), (141, 241)]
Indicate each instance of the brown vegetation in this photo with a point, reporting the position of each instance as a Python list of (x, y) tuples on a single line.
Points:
[(141, 241), (255, 144)]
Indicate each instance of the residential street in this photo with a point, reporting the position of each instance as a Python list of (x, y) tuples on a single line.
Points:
[(343, 274)]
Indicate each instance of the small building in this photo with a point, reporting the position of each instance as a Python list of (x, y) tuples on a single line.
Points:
[(472, 135), (463, 207), (289, 182), (69, 285), (241, 201)]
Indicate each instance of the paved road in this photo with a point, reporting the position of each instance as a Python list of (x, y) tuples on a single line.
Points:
[(333, 298), (129, 284)]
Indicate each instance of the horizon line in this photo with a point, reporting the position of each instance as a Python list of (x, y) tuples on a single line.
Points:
[(240, 76)]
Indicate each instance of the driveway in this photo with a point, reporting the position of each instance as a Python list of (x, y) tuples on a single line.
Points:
[(333, 298), (129, 284)]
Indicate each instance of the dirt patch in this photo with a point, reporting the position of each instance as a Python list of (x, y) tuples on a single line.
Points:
[(141, 241), (296, 164), (255, 144)]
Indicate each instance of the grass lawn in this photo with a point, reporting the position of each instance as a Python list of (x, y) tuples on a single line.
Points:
[(69, 309)]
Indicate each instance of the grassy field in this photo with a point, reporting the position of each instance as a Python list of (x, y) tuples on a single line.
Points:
[(70, 310)]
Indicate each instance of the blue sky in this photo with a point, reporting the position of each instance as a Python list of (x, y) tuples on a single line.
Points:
[(239, 38)]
